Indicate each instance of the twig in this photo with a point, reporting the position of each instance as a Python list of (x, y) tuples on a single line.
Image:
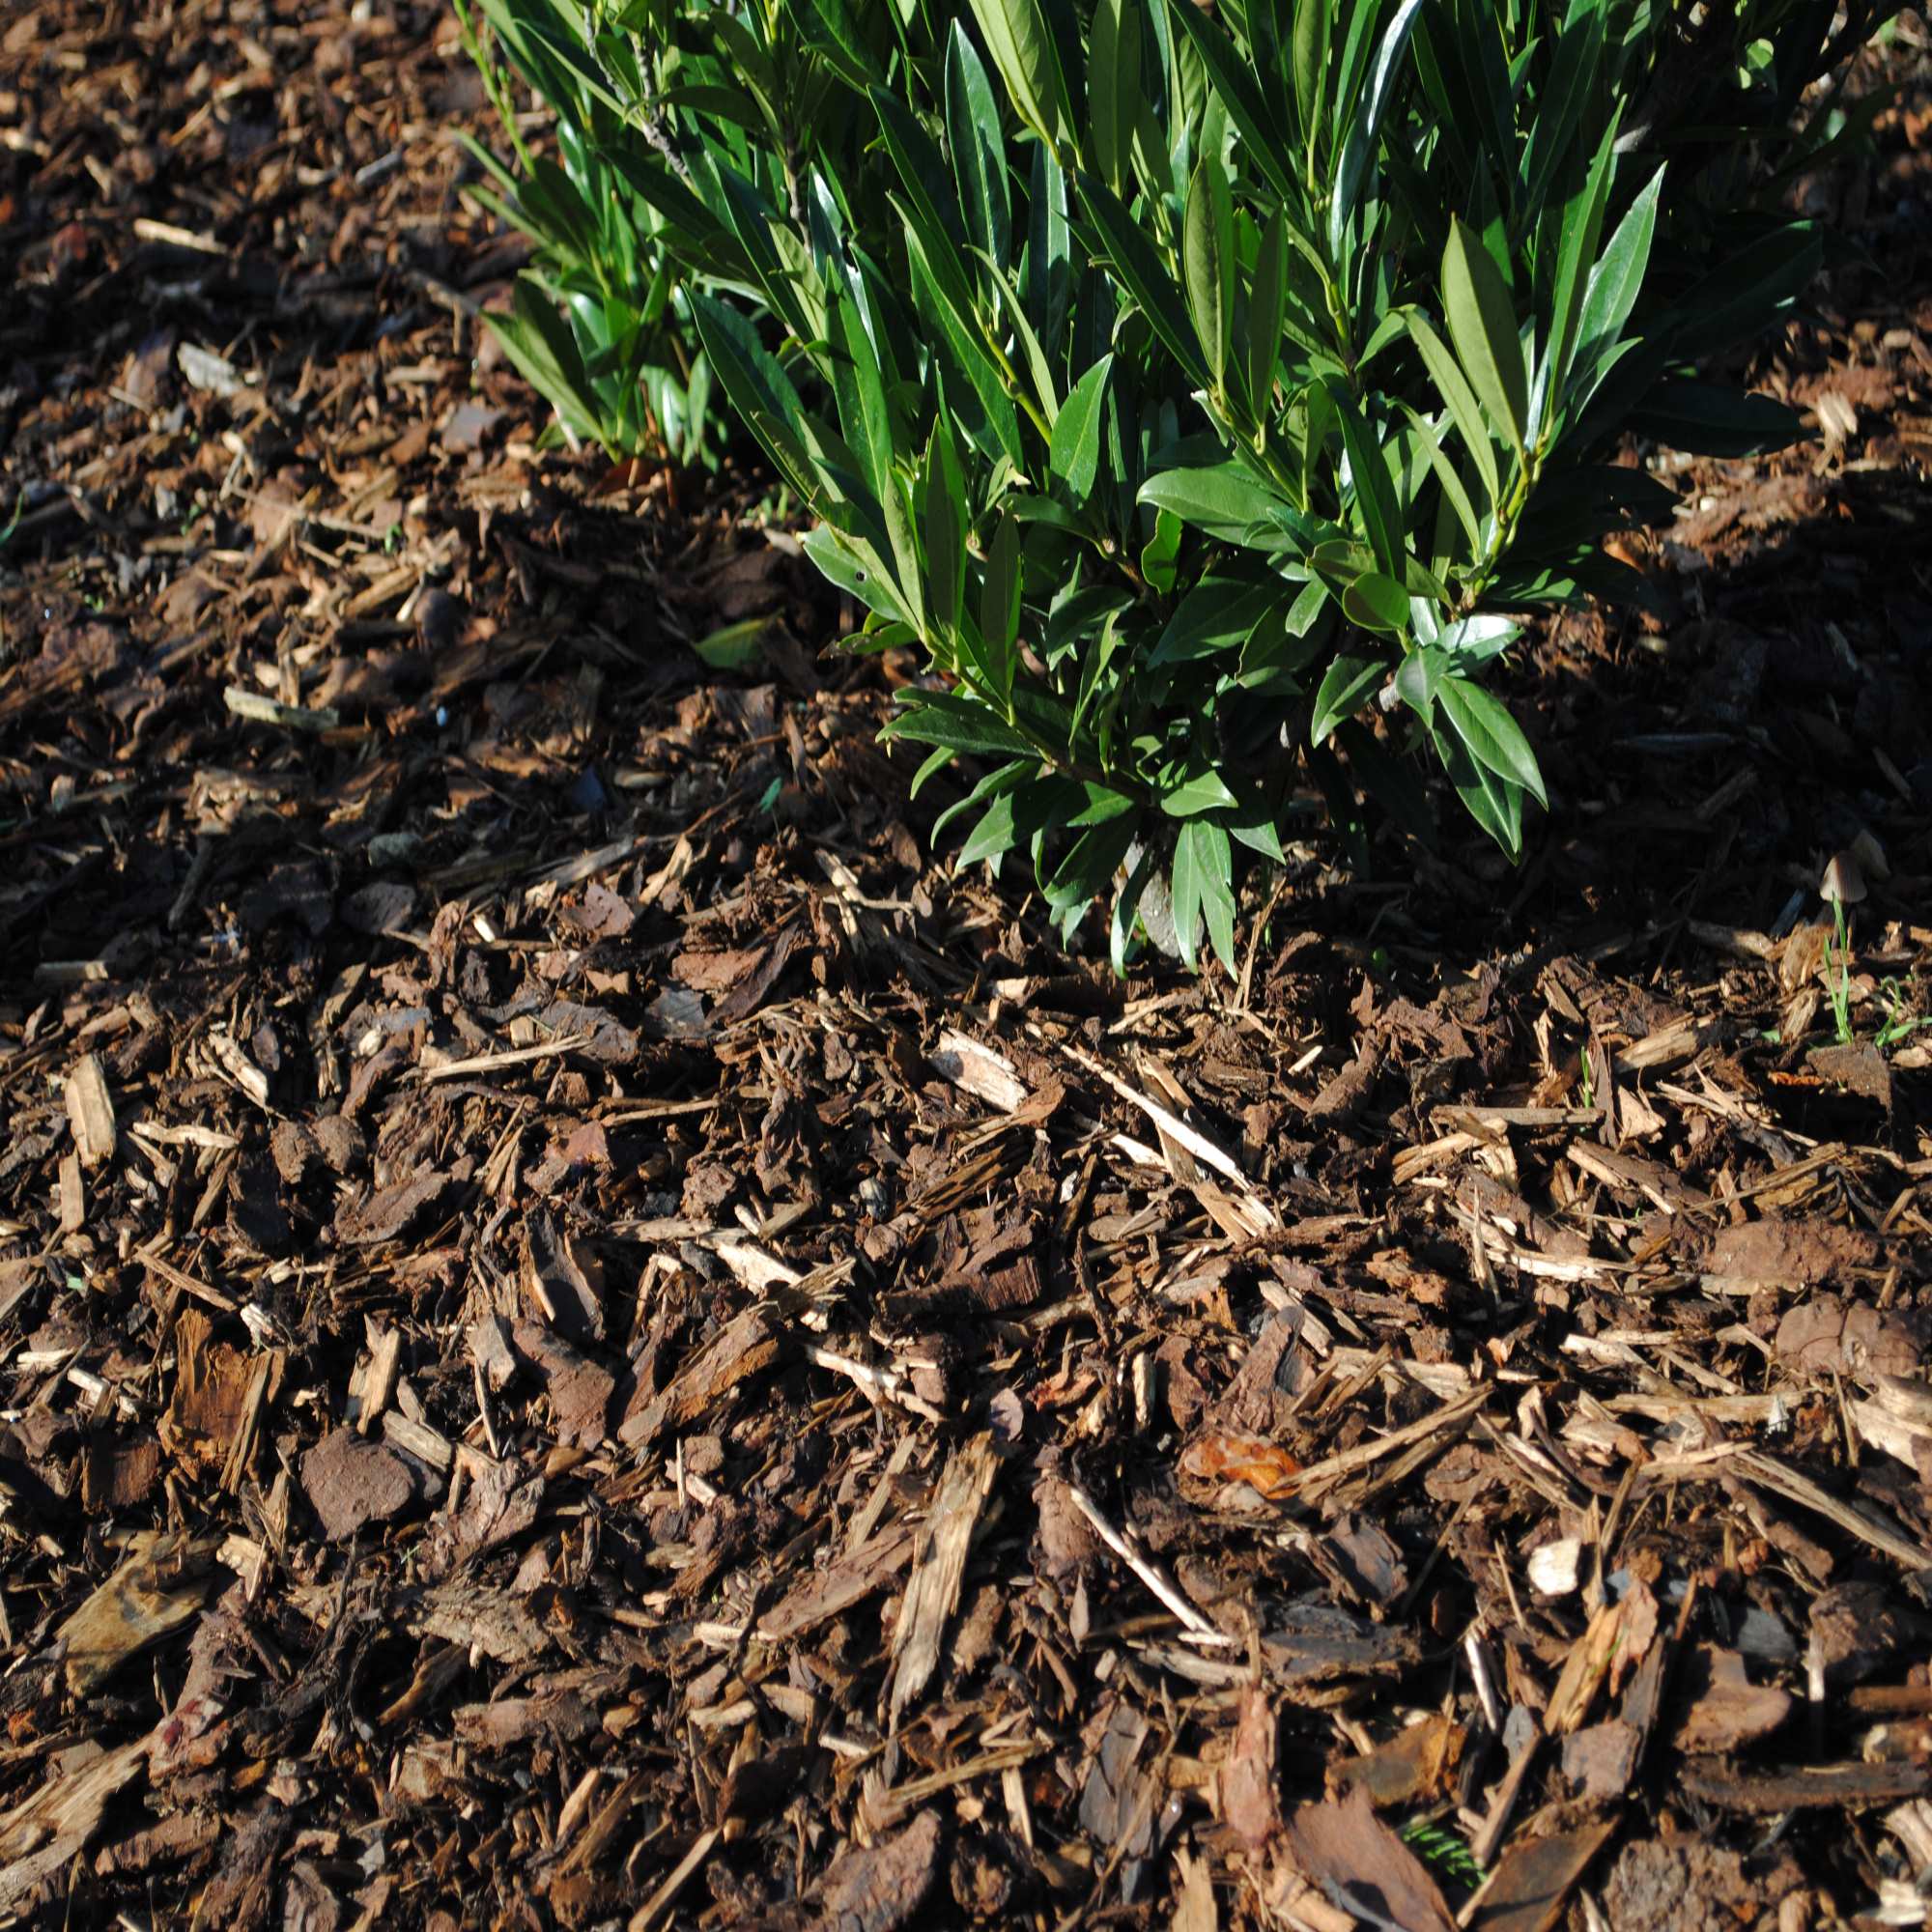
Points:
[(881, 1384), (1196, 1625), (1174, 1128), (654, 1907), (487, 1063)]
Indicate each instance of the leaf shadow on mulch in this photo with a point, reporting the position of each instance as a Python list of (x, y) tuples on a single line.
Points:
[(594, 1335)]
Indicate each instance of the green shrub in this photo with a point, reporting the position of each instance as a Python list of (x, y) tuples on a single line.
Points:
[(1200, 388)]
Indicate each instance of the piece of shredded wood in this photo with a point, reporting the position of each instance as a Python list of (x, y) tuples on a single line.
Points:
[(1766, 1472), (881, 1384), (1483, 1676), (887, 1807), (1486, 1840), (248, 1559), (176, 1278), (1762, 1411), (1659, 1184), (186, 1135), (1451, 1416), (425, 1443), (1548, 1267), (260, 709), (1910, 1401), (1667, 1046), (374, 1380), (938, 1565), (979, 1069), (1192, 1620), (1831, 1153), (90, 1110), (515, 1056), (241, 1447), (1521, 1116), (751, 1265), (1414, 1162), (652, 1912), (1174, 1128), (235, 1066), (577, 1806), (1911, 1824)]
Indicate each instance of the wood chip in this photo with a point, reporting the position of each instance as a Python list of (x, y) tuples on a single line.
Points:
[(90, 1108), (938, 1564)]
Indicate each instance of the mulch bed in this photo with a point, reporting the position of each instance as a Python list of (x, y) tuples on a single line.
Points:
[(590, 1335)]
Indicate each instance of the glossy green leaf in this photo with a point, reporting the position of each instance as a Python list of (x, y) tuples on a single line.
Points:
[(1582, 226), (1744, 293), (993, 837), (991, 784), (1231, 79), (944, 518), (1218, 614), (1310, 47), (1145, 280), (1126, 908), (1160, 554), (1449, 479), (1047, 272), (959, 335), (1204, 789), (1364, 125), (1482, 326), (757, 385), (1074, 451), (1492, 800), (1267, 303), (1376, 502), (978, 148), (1207, 256), (956, 723), (1113, 90), (1377, 603), (1458, 398), (1021, 43), (1706, 419), (1563, 98), (1202, 886), (1611, 292), (999, 607), (855, 566), (1494, 739), (538, 341), (1222, 499), (1088, 868), (1345, 688)]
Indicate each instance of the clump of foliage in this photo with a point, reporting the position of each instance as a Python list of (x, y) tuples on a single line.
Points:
[(600, 326), (1208, 391)]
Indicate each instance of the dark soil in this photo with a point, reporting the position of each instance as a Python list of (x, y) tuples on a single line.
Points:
[(592, 1335)]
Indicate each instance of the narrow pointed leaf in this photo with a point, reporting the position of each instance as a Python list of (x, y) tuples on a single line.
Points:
[(1482, 326), (1614, 281), (979, 149), (1365, 124), (1267, 303), (1344, 690), (1494, 739), (1460, 399), (1074, 453), (1207, 250)]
